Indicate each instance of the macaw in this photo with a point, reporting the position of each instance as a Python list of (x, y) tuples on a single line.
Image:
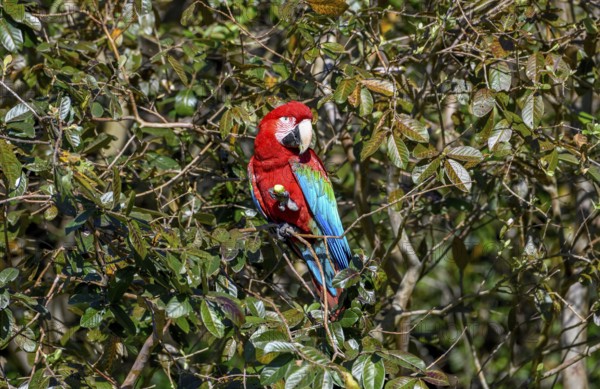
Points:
[(290, 187)]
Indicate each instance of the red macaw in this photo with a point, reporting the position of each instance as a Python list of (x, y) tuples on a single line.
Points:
[(290, 186)]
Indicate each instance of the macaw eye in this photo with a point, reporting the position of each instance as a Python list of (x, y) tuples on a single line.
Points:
[(285, 119)]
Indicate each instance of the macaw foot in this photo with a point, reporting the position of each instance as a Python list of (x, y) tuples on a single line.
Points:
[(279, 193), (284, 231)]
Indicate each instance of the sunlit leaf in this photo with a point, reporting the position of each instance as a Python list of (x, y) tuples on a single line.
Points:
[(483, 102), (299, 377), (423, 172), (10, 36), (458, 175), (211, 320), (535, 64), (18, 112), (373, 144), (502, 133), (345, 87), (397, 151), (465, 154), (380, 86), (373, 373), (366, 102), (411, 128), (533, 109), (500, 76)]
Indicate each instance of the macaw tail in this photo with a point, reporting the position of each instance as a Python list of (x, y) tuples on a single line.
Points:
[(333, 295), (334, 303)]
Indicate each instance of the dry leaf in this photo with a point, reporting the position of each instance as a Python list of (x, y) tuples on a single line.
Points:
[(328, 7)]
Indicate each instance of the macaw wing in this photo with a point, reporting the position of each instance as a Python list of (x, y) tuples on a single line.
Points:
[(318, 193), (254, 192)]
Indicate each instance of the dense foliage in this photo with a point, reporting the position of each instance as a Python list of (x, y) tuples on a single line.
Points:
[(462, 141)]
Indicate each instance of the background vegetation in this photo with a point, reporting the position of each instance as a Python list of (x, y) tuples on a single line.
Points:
[(462, 140)]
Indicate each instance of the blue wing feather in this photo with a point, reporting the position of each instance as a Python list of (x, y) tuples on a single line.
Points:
[(318, 194)]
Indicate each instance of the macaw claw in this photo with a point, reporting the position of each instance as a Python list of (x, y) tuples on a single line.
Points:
[(279, 193), (284, 231)]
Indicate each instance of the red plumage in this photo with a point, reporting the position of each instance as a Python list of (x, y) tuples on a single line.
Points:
[(272, 165)]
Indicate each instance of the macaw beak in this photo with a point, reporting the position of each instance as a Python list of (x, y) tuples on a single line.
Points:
[(300, 136), (305, 132)]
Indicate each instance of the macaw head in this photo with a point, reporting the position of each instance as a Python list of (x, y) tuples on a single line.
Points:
[(290, 124)]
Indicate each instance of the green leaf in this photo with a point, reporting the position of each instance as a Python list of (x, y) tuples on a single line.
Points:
[(358, 366), (32, 21), (276, 370), (6, 324), (533, 109), (15, 10), (346, 278), (226, 123), (143, 7), (91, 318), (560, 71), (256, 307), (323, 379), (343, 90), (501, 133), (187, 17), (39, 380), (4, 298), (178, 306), (314, 355), (549, 162), (397, 151), (178, 68), (458, 175), (333, 49), (299, 378), (373, 144), (405, 383), (424, 151), (421, 173), (373, 375), (460, 255), (10, 36), (97, 109), (64, 108), (278, 346), (9, 165), (185, 102), (211, 320), (136, 239), (500, 76), (366, 102), (8, 275), (404, 359), (17, 113), (483, 102), (383, 87), (465, 154), (411, 128), (25, 339), (261, 340), (535, 64), (123, 319)]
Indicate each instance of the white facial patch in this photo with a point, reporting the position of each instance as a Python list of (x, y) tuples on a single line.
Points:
[(285, 124)]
